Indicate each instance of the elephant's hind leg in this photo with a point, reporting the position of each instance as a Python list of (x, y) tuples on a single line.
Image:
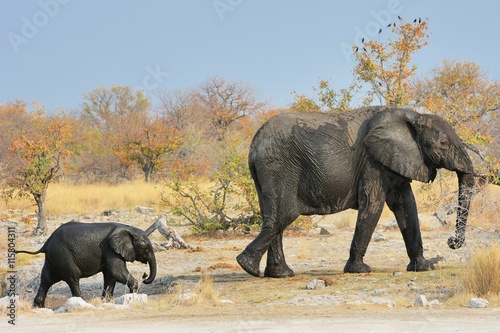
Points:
[(276, 265), (46, 281), (276, 219), (250, 258)]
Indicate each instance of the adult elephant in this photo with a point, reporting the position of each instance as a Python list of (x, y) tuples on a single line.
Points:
[(77, 250), (316, 163)]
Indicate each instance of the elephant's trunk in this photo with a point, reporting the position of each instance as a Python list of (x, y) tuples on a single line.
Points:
[(465, 193), (152, 269)]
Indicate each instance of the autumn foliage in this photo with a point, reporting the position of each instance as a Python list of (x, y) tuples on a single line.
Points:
[(204, 133)]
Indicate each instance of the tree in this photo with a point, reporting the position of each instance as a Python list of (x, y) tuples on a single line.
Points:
[(148, 141), (126, 125), (330, 100), (386, 66), (14, 121), (382, 72), (38, 158), (225, 102), (178, 107), (461, 92)]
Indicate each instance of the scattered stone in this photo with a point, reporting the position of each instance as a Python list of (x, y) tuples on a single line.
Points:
[(76, 303), (383, 301), (477, 303), (315, 284), (225, 301), (434, 303), (412, 286), (391, 224), (397, 274), (379, 238), (113, 306), (186, 296), (324, 232), (108, 212), (144, 210), (6, 301), (421, 301), (129, 299), (378, 292), (43, 311)]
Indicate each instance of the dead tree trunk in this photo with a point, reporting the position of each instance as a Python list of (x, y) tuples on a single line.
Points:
[(173, 239)]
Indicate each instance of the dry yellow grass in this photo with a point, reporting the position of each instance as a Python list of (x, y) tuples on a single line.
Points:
[(483, 274), (65, 198)]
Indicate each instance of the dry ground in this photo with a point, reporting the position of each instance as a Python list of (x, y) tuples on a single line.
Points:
[(382, 301)]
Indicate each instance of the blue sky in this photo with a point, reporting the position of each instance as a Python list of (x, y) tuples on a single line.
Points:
[(54, 51)]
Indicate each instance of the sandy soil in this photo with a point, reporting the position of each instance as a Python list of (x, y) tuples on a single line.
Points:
[(381, 301)]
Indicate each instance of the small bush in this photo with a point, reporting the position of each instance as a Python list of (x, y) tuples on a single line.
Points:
[(483, 274)]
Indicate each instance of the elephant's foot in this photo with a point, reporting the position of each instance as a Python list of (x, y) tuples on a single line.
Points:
[(281, 271), (39, 302), (356, 267), (249, 263), (420, 265)]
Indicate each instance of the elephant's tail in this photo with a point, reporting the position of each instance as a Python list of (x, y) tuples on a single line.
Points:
[(42, 250)]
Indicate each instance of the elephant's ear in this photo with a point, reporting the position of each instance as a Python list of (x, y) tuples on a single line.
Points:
[(121, 242), (391, 140)]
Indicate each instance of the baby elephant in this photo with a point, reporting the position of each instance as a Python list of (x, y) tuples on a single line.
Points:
[(77, 250)]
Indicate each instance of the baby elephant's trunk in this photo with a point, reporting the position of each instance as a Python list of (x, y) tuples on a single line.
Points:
[(152, 269)]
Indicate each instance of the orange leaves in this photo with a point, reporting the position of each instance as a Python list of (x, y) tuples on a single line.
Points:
[(38, 153), (385, 65)]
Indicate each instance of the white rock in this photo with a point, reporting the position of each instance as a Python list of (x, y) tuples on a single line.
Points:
[(315, 284), (433, 303), (186, 296), (105, 306), (383, 301), (144, 210), (478, 303), (421, 301), (77, 303), (43, 311), (129, 299), (378, 292), (226, 301), (5, 301)]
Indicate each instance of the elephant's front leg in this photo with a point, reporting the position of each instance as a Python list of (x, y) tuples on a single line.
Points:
[(276, 266), (402, 202), (117, 269)]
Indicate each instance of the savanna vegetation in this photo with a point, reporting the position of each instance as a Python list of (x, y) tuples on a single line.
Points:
[(191, 146), (187, 153)]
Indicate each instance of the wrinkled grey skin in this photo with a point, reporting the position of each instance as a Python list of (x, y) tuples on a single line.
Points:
[(313, 163), (77, 250)]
